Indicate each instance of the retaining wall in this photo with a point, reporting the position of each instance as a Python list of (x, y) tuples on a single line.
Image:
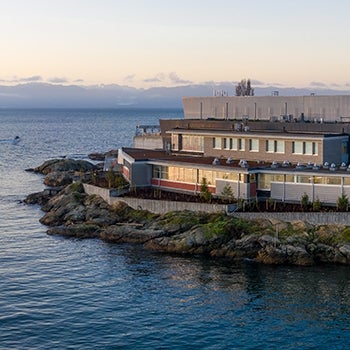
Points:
[(161, 207)]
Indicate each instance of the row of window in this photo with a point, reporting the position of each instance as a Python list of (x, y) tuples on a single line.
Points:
[(190, 175), (266, 179), (271, 146)]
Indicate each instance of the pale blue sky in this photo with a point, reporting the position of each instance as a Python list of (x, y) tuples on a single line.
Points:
[(147, 43)]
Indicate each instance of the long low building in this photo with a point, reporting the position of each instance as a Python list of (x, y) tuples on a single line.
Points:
[(247, 180), (316, 108)]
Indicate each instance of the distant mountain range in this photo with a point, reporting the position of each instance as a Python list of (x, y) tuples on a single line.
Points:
[(46, 95)]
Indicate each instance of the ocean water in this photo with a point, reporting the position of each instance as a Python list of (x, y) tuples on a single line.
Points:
[(59, 293)]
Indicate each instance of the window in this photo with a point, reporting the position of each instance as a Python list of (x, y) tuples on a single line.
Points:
[(241, 145), (224, 143), (192, 143), (217, 142), (160, 172), (297, 147), (289, 178), (279, 146), (233, 144), (306, 147), (303, 179), (254, 145), (276, 146), (346, 181), (270, 146)]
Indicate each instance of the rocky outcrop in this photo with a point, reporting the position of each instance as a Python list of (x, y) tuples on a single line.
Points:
[(73, 213), (63, 165)]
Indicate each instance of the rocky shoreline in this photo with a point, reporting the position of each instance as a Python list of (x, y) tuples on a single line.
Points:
[(73, 213)]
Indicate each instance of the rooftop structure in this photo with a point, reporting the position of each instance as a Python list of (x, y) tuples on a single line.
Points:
[(286, 108)]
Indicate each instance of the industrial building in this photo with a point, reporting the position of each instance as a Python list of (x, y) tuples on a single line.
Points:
[(279, 158), (315, 108)]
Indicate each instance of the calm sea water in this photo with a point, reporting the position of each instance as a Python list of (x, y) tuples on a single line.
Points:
[(59, 293)]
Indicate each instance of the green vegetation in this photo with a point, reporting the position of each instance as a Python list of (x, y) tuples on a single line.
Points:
[(204, 190), (316, 205), (343, 203), (77, 187), (227, 194), (305, 202), (114, 179)]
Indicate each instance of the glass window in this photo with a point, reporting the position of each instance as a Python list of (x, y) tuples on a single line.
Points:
[(308, 147), (217, 142), (289, 178), (192, 143), (254, 145), (346, 181), (241, 144), (333, 180), (264, 181), (298, 147), (233, 144), (156, 171), (315, 148), (279, 146), (319, 180), (277, 178), (303, 179)]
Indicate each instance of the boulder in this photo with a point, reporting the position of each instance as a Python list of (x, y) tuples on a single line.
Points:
[(54, 165), (78, 231), (40, 198), (58, 178)]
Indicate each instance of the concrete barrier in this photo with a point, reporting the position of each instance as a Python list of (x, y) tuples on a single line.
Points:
[(162, 207)]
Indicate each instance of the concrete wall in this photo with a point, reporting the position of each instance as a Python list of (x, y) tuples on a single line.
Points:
[(148, 142), (161, 207), (154, 206), (312, 218), (327, 108)]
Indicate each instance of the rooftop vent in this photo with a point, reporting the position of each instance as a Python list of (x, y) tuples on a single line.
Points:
[(243, 163), (274, 164), (333, 167), (216, 161)]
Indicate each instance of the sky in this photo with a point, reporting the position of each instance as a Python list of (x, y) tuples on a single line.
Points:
[(146, 43)]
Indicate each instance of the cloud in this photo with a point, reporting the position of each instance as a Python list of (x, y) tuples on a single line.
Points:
[(129, 78), (317, 84), (175, 79), (31, 79), (78, 81), (156, 79), (57, 80)]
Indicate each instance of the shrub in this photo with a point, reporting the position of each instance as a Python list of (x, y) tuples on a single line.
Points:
[(227, 194), (343, 203), (204, 190), (316, 205), (305, 202)]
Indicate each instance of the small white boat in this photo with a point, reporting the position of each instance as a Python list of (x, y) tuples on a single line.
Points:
[(14, 141)]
